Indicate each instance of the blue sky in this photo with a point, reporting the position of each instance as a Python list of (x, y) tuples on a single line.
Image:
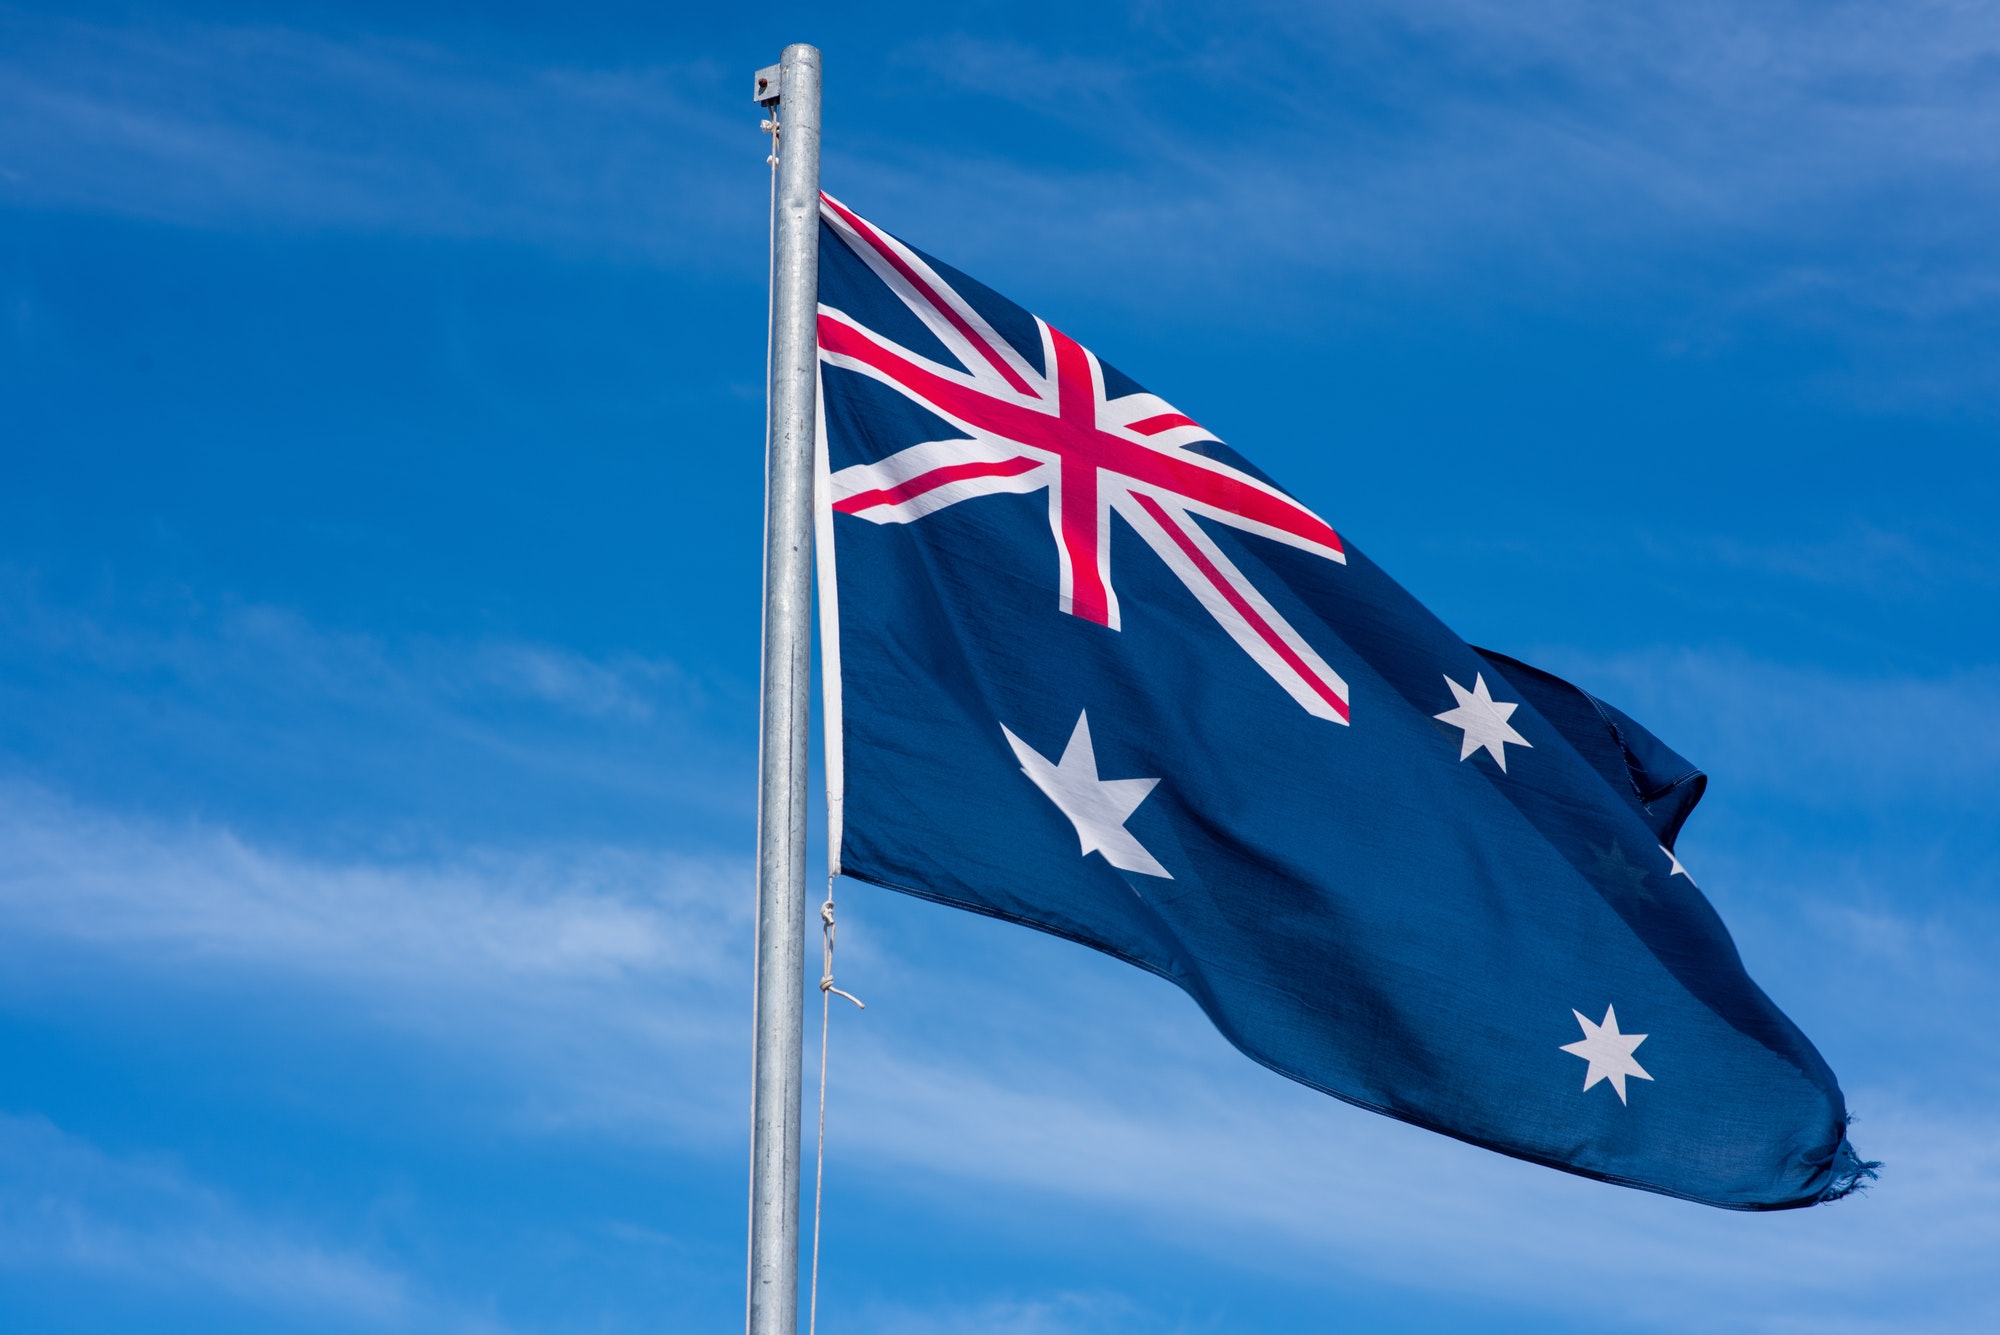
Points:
[(380, 413)]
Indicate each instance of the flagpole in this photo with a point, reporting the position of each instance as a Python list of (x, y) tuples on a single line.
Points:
[(791, 398)]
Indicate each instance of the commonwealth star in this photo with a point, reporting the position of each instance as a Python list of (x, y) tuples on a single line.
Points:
[(1098, 808)]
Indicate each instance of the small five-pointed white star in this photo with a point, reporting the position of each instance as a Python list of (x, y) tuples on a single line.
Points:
[(1484, 720), (1098, 808), (1608, 1052), (1678, 869)]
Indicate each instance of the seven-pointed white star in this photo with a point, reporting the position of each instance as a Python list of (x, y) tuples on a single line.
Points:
[(1608, 1052), (1678, 869), (1484, 720), (1097, 807)]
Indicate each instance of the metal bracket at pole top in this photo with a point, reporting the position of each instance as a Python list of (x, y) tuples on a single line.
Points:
[(769, 86)]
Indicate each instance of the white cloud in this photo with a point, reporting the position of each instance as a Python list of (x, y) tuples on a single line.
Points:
[(1864, 559), (1806, 735), (202, 894), (1842, 152), (1830, 166), (609, 977), (67, 1206), (235, 646), (601, 991), (612, 987), (254, 125), (393, 737), (1055, 1314)]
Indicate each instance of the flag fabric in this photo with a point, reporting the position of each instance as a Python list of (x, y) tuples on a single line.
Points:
[(1087, 669)]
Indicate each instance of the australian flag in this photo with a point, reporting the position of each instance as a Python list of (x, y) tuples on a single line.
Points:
[(1087, 669)]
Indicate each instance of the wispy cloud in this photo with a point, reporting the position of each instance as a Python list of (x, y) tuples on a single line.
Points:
[(1826, 161), (67, 1206), (1055, 1314), (600, 988), (1371, 135), (265, 125), (566, 965), (1262, 1178), (1722, 172), (1864, 558), (612, 986), (1805, 735), (381, 736)]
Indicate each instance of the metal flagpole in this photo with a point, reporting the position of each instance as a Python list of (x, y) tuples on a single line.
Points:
[(791, 395)]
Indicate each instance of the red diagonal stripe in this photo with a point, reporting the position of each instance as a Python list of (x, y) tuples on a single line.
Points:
[(949, 312), (931, 481), (1264, 630), (1153, 426)]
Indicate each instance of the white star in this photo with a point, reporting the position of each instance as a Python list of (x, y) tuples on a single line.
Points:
[(1678, 869), (1608, 1052), (1484, 720), (1097, 807)]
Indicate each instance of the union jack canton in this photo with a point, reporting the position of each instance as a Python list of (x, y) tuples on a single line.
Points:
[(1054, 428)]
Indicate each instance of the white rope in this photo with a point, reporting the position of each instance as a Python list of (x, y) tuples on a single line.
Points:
[(827, 992)]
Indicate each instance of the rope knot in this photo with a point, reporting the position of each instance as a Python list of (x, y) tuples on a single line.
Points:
[(827, 993), (826, 978)]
